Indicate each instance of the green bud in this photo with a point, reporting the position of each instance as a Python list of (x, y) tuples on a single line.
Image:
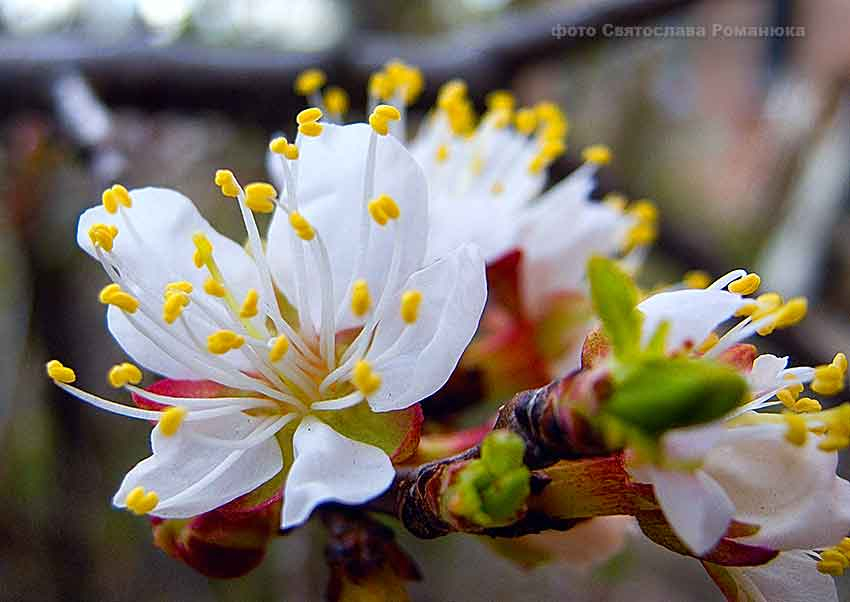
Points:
[(615, 299), (502, 451), (659, 394), (492, 490)]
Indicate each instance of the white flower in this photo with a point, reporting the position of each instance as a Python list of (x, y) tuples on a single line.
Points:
[(790, 577), (759, 469), (341, 310), (486, 178)]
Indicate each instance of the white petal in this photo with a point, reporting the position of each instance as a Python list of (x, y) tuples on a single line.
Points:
[(558, 239), (329, 467), (331, 170), (164, 221), (765, 372), (790, 577), (180, 462), (415, 360), (792, 492), (692, 314), (697, 508)]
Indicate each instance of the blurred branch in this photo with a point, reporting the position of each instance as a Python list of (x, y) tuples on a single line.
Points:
[(257, 83)]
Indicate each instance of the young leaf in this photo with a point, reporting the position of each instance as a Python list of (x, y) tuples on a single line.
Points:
[(615, 300)]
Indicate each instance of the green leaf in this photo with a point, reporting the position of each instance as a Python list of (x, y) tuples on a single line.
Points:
[(659, 394), (615, 299)]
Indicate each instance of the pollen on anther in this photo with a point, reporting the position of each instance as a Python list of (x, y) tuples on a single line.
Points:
[(598, 154), (60, 373), (122, 374), (410, 302), (279, 348), (249, 305), (361, 300), (171, 420)]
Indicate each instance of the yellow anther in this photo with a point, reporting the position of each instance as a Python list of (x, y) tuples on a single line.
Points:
[(526, 121), (60, 373), (833, 569), (291, 152), (336, 101), (844, 546), (203, 249), (278, 145), (225, 180), (388, 112), (183, 286), (746, 285), (499, 118), (829, 379), (696, 279), (140, 502), (214, 287), (223, 341), (389, 206), (497, 188), (361, 300), (806, 405), (115, 196), (410, 302), (833, 555), (442, 153), (175, 301), (171, 420), (404, 78), (279, 348), (500, 99), (791, 313), (598, 154), (311, 129), (644, 210), (617, 201), (380, 124), (789, 396), (249, 305), (112, 294), (301, 226), (309, 81), (364, 379), (260, 197), (310, 115), (536, 165), (381, 86), (797, 429), (840, 362), (121, 374), (552, 149), (709, 342), (103, 236), (376, 210), (641, 234)]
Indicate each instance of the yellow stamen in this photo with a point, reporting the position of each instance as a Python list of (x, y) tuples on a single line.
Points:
[(180, 285), (806, 405), (113, 295), (214, 287), (140, 502), (645, 211), (311, 129), (380, 124), (115, 196), (310, 115), (361, 300), (381, 86), (173, 305), (121, 374), (696, 279), (223, 341), (301, 226), (225, 180), (598, 154), (281, 146), (336, 101), (249, 305), (203, 249), (410, 301), (526, 121), (709, 342), (746, 285), (59, 372), (279, 348), (797, 429), (260, 197), (389, 206), (171, 420), (792, 312), (364, 379), (103, 236), (497, 188), (309, 81), (442, 153), (500, 99), (388, 112)]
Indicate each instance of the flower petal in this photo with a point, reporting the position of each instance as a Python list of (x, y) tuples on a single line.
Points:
[(791, 492), (331, 171), (415, 360), (181, 468), (330, 467), (790, 577), (692, 314), (765, 372), (153, 248), (697, 508)]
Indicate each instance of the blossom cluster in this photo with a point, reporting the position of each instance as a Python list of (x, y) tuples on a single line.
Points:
[(295, 368)]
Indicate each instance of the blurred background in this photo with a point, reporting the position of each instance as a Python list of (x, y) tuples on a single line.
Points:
[(742, 140)]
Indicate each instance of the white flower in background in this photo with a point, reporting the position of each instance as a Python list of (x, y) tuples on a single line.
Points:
[(342, 310), (773, 471), (486, 178)]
